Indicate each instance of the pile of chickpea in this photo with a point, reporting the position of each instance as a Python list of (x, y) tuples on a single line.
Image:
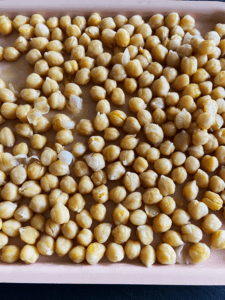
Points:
[(174, 135)]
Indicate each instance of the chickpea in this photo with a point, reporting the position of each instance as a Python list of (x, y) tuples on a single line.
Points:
[(182, 141), (3, 178), (11, 228), (23, 213), (133, 201), (57, 34), (153, 133), (38, 141), (167, 205), (60, 213), (120, 215), (145, 234), (46, 245), (173, 238), (109, 86), (85, 185), (71, 67), (76, 203), (79, 149), (99, 75), (180, 217), (10, 192), (57, 196), (29, 235), (118, 73), (111, 134), (85, 127), (142, 149), (209, 163), (134, 68), (144, 117), (102, 232), (99, 178), (132, 249), (117, 194), (20, 20), (111, 153), (166, 186), (96, 143), (81, 169), (77, 254), (63, 246), (166, 148), (199, 252), (148, 179), (59, 168), (11, 54), (152, 210), (85, 237), (48, 156), (165, 254), (216, 184), (140, 164), (159, 116), (98, 212), (52, 22), (191, 233), (161, 223), (217, 240), (21, 44), (7, 209), (49, 182), (84, 219), (148, 255), (163, 166), (121, 234), (27, 31), (10, 254), (211, 223), (20, 148), (108, 37), (219, 153), (114, 252), (49, 86), (169, 129), (179, 175), (94, 253), (118, 97), (35, 171), (152, 196), (95, 161), (3, 240), (38, 222), (33, 56), (212, 200), (205, 87), (131, 181), (29, 254), (156, 21), (52, 228), (197, 210), (120, 20), (7, 137), (92, 32), (64, 137), (6, 95)]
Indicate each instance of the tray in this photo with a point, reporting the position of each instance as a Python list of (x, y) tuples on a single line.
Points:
[(61, 270)]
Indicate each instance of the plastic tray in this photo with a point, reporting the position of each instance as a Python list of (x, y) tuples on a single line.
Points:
[(212, 272)]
